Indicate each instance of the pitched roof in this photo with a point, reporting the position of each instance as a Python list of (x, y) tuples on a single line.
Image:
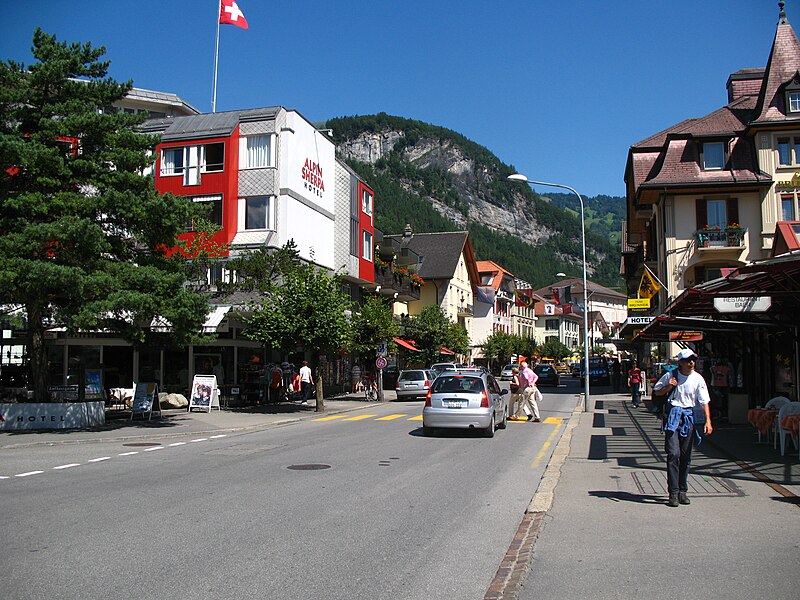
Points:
[(783, 64), (576, 285), (488, 266), (440, 253), (207, 125)]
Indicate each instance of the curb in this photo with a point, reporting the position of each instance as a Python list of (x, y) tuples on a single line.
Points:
[(177, 434)]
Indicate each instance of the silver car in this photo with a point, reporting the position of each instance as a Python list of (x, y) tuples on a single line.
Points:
[(465, 401), (507, 372), (413, 383)]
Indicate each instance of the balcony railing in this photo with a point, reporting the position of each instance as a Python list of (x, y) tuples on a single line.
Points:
[(465, 310), (728, 237), (388, 280)]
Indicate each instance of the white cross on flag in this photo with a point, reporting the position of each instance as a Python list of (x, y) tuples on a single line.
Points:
[(231, 14)]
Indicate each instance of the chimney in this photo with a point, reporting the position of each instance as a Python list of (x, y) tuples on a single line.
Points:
[(407, 232)]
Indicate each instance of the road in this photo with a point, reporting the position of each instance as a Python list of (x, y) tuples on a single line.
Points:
[(384, 513)]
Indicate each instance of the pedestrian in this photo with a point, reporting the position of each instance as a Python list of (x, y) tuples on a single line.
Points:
[(687, 389), (516, 391), (305, 382), (276, 383), (528, 396), (616, 374), (635, 383)]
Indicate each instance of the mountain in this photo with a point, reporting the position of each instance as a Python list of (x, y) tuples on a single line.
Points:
[(438, 180)]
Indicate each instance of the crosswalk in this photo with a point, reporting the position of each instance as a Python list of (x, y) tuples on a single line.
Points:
[(408, 417)]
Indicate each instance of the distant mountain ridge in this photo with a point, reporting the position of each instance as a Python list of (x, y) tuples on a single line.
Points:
[(438, 180)]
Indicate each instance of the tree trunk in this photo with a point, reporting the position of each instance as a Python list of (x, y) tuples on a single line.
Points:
[(38, 353), (320, 395)]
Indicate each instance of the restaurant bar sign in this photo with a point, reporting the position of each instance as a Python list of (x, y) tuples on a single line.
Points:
[(685, 336), (638, 303), (743, 304)]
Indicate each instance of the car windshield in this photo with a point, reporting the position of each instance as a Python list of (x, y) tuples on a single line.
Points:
[(412, 375), (597, 362), (543, 369), (457, 384)]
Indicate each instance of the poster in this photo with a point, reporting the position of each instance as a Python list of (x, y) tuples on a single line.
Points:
[(145, 399), (204, 392)]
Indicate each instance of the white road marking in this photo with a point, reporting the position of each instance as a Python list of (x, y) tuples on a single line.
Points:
[(29, 473), (200, 440), (178, 444), (3, 477), (101, 459), (67, 466), (156, 448), (214, 437), (128, 453)]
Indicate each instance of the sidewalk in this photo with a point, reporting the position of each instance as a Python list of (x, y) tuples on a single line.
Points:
[(179, 422), (604, 530)]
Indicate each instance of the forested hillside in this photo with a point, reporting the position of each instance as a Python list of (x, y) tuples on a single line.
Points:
[(438, 180)]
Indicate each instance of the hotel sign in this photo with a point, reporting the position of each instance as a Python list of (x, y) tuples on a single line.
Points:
[(638, 303), (743, 304), (790, 184), (639, 320)]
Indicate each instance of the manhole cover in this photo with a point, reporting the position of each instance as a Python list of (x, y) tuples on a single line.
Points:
[(310, 467), (137, 444)]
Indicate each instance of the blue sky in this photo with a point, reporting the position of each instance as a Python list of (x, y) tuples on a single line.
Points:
[(560, 89)]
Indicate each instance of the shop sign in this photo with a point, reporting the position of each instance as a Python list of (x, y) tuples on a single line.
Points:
[(685, 336), (789, 184), (743, 304), (638, 303), (638, 321)]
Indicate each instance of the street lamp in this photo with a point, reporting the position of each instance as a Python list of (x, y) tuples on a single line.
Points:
[(587, 405)]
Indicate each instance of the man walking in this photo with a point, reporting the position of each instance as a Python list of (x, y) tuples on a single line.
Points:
[(305, 381), (635, 384), (686, 389), (528, 395)]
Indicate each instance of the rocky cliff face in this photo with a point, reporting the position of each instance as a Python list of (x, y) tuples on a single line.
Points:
[(469, 179)]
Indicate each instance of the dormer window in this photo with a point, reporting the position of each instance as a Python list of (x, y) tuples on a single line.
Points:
[(713, 156), (793, 102), (792, 92)]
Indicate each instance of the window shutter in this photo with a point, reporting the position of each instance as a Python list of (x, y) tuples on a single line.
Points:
[(702, 213), (733, 210)]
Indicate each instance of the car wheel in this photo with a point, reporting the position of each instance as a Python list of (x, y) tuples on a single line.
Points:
[(505, 418), (489, 431)]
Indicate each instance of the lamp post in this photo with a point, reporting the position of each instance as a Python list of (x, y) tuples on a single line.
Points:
[(587, 405)]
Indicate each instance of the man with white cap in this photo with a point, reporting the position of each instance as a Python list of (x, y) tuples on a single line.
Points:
[(687, 389)]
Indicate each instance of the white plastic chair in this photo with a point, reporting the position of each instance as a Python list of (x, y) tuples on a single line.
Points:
[(776, 403), (790, 408)]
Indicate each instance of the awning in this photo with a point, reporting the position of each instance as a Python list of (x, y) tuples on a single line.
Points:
[(408, 345), (214, 319), (446, 351)]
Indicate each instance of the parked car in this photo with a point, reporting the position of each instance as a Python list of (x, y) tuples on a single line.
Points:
[(390, 375), (576, 369), (439, 368), (413, 384), (465, 401), (547, 375), (563, 368), (506, 373), (599, 371)]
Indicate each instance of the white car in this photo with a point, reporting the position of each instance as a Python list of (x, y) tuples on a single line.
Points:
[(506, 374)]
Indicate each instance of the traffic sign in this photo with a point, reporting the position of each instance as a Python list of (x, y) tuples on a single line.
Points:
[(383, 350), (380, 362)]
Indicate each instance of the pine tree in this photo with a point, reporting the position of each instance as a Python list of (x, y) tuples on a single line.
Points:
[(84, 236)]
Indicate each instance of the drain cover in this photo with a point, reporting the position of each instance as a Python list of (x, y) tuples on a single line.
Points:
[(137, 444), (309, 467)]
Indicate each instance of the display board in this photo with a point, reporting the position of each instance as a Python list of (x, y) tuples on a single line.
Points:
[(205, 393), (145, 400)]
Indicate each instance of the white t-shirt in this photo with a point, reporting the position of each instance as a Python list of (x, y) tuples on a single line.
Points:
[(305, 374), (691, 390)]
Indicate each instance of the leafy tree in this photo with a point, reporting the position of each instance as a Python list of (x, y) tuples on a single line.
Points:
[(554, 349), (307, 309), (499, 345), (457, 338), (84, 236), (525, 346), (262, 269), (372, 324), (430, 331)]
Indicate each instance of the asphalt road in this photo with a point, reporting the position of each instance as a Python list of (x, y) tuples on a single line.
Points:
[(394, 514)]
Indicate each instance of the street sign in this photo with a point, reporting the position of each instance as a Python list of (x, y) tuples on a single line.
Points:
[(638, 303), (383, 350), (685, 336), (743, 304), (380, 362)]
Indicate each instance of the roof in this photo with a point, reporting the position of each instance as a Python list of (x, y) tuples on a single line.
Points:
[(440, 253), (160, 97), (488, 266), (210, 125), (783, 64), (577, 284)]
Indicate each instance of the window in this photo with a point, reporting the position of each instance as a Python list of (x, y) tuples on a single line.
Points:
[(214, 204), (172, 161), (366, 202), (789, 151), (788, 211), (717, 213), (366, 245), (213, 157), (258, 213), (256, 152), (551, 325), (713, 156)]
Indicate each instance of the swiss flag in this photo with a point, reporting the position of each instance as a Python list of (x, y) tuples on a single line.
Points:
[(231, 14)]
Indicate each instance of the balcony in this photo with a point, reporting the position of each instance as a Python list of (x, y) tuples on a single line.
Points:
[(465, 310), (392, 283), (727, 238)]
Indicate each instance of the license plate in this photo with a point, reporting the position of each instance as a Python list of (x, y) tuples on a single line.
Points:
[(455, 403)]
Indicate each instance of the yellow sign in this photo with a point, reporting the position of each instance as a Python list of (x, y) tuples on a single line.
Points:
[(792, 183), (648, 286), (639, 303)]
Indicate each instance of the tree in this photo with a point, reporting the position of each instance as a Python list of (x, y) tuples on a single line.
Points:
[(85, 239), (499, 345), (429, 330), (372, 324), (554, 349), (308, 309)]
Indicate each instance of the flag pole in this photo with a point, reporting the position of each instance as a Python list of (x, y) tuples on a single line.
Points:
[(661, 283), (216, 61)]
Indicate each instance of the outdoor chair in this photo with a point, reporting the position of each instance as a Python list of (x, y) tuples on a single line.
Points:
[(776, 403), (790, 408)]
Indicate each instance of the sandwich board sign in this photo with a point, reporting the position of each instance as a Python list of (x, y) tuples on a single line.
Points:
[(205, 393), (145, 400)]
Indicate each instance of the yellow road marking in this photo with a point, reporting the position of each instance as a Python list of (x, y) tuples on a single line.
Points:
[(360, 417), (545, 446), (553, 420), (391, 417), (419, 418), (331, 418)]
